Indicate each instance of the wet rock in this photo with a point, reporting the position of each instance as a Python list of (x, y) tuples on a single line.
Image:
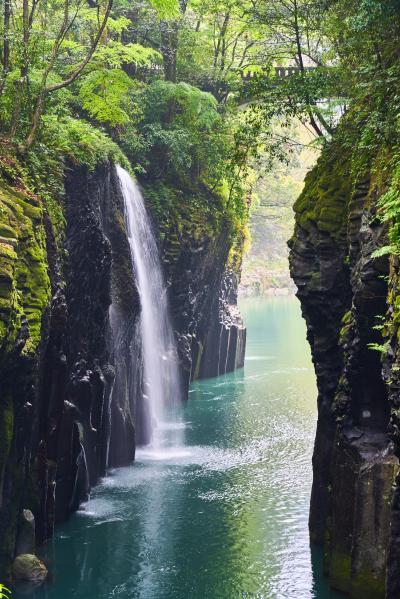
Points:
[(203, 273), (26, 534), (29, 568), (60, 396), (73, 399)]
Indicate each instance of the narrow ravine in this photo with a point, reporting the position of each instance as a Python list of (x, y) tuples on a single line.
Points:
[(224, 517)]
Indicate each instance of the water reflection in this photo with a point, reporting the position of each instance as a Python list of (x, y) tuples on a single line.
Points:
[(224, 517)]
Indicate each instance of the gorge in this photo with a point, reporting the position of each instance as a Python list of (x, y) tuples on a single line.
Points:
[(155, 444), (93, 410)]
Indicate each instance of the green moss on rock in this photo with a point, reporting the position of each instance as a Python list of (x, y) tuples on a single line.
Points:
[(6, 433), (24, 281), (340, 571), (327, 192), (196, 210), (29, 568), (366, 585)]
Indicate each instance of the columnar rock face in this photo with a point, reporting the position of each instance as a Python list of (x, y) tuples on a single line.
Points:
[(343, 291), (202, 263), (71, 372), (220, 347), (67, 410)]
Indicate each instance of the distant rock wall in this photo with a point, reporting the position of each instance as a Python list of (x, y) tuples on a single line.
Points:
[(220, 347)]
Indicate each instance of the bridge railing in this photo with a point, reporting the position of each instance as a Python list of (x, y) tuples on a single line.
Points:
[(280, 72)]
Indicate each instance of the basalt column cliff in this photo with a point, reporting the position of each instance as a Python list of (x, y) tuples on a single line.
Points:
[(348, 291)]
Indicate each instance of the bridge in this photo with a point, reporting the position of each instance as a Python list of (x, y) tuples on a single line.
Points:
[(280, 72)]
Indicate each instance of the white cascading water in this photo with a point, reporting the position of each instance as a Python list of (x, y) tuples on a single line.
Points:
[(161, 373)]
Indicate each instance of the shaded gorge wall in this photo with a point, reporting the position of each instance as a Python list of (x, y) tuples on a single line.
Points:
[(343, 290), (202, 255)]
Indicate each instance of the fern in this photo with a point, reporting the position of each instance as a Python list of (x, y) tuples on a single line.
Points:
[(389, 207), (381, 348), (166, 9), (104, 94), (384, 251), (5, 593)]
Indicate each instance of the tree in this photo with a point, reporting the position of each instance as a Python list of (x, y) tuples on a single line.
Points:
[(47, 88), (48, 47)]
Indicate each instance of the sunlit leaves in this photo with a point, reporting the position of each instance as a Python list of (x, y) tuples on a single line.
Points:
[(115, 54), (166, 9), (104, 94)]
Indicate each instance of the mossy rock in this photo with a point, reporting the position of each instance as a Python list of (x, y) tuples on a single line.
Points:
[(367, 586), (24, 280), (327, 192), (29, 568), (340, 571), (195, 213), (6, 433)]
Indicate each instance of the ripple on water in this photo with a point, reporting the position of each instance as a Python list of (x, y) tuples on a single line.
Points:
[(223, 516)]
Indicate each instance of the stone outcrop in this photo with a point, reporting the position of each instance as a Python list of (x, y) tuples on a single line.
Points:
[(343, 291), (29, 568)]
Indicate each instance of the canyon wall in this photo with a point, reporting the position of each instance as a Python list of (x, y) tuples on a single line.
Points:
[(202, 262), (61, 388), (71, 376), (343, 289)]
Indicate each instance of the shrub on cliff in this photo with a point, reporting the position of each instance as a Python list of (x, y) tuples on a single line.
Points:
[(181, 134)]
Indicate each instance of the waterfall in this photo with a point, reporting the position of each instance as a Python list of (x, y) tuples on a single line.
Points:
[(160, 360)]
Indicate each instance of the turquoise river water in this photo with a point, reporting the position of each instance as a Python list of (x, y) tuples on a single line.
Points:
[(224, 516)]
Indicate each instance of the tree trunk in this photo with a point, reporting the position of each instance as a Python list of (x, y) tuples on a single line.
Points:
[(169, 48), (310, 112), (169, 44), (48, 89), (6, 43), (35, 121)]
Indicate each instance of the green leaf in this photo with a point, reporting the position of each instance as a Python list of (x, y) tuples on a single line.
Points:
[(104, 95), (166, 9), (384, 251)]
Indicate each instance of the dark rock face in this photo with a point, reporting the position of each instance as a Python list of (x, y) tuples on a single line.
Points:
[(73, 404), (223, 348), (201, 256), (343, 294), (203, 287)]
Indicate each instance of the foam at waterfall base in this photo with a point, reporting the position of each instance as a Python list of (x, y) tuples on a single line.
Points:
[(171, 426), (162, 454)]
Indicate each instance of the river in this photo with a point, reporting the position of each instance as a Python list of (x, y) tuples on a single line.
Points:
[(224, 516)]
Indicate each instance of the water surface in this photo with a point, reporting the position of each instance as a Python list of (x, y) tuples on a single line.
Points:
[(224, 516)]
